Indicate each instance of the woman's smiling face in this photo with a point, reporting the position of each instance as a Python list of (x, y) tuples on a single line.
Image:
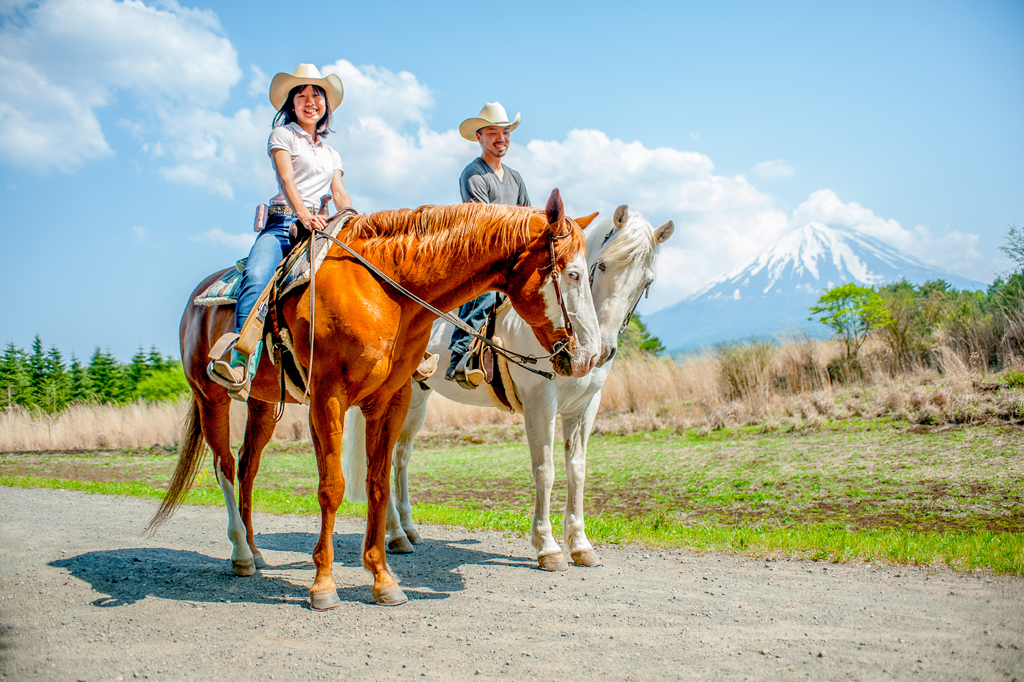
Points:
[(310, 107)]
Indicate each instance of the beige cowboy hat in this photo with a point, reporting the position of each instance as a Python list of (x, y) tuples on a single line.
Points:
[(306, 74), (493, 114)]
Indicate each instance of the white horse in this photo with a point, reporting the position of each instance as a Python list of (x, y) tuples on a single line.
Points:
[(621, 253)]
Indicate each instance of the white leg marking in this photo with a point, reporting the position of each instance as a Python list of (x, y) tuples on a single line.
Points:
[(241, 555)]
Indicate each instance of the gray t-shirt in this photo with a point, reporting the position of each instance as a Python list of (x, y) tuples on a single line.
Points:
[(480, 183)]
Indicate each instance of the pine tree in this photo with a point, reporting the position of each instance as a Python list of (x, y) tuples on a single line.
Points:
[(636, 340), (56, 383), (105, 377), (35, 366), (14, 383), (158, 362), (78, 385)]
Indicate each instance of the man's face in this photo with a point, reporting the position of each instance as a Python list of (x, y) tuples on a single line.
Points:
[(494, 139)]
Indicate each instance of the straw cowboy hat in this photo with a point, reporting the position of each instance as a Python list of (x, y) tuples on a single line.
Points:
[(306, 74), (493, 114)]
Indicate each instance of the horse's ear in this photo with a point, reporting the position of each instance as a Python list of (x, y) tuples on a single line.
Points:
[(586, 220), (621, 214), (555, 211), (664, 232)]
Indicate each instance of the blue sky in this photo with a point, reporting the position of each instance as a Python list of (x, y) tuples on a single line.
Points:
[(132, 135)]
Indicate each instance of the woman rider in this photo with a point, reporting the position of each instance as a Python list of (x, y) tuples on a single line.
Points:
[(306, 170)]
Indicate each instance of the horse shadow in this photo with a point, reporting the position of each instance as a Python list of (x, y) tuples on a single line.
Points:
[(125, 576), (431, 572)]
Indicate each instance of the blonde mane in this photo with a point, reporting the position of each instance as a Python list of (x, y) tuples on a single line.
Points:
[(632, 241), (452, 234)]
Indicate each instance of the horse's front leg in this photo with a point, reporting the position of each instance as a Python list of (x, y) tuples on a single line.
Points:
[(214, 415), (382, 429), (539, 416), (402, 533), (326, 418), (576, 431), (259, 428)]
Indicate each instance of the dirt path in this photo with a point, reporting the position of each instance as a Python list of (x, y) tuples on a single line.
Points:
[(84, 597)]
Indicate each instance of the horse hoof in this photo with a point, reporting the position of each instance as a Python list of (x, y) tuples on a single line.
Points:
[(553, 561), (257, 558), (321, 601), (414, 537), (390, 596), (400, 545), (586, 557), (244, 568)]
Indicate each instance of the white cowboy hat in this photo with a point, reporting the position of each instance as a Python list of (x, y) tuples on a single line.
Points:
[(306, 74), (493, 114)]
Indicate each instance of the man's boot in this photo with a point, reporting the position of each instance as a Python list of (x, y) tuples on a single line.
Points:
[(463, 374)]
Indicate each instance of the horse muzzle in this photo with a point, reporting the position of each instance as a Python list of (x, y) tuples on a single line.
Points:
[(574, 360)]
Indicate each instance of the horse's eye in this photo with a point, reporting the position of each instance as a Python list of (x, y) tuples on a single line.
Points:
[(574, 276), (600, 265)]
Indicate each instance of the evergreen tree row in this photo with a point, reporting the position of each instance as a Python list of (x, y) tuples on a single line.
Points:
[(40, 379)]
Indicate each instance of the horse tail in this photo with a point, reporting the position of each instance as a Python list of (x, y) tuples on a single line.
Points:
[(190, 458), (353, 466)]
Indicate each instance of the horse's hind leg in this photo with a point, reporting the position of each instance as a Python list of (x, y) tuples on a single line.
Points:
[(402, 533), (576, 430), (258, 430), (215, 418)]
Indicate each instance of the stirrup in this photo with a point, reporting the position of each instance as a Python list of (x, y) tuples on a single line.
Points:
[(427, 367), (231, 378), (466, 377)]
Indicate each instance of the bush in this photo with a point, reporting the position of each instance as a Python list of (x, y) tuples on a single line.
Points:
[(165, 385), (744, 367)]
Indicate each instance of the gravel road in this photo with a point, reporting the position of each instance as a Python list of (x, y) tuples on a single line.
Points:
[(83, 596)]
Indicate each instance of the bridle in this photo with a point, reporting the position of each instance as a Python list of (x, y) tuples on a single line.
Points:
[(518, 358), (600, 265)]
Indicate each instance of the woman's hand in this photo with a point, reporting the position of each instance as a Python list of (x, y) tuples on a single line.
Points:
[(312, 222)]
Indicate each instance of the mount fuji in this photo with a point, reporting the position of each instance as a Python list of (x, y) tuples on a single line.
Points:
[(769, 294)]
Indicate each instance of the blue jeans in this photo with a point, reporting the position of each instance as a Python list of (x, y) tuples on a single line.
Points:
[(474, 314), (271, 246)]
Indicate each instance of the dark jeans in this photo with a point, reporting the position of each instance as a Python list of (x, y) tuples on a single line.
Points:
[(271, 246), (474, 314)]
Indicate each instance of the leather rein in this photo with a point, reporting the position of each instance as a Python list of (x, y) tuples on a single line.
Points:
[(510, 355)]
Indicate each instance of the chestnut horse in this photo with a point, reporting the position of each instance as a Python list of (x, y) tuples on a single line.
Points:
[(369, 339), (622, 252)]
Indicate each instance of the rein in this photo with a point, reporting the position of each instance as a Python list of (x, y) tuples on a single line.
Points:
[(512, 356)]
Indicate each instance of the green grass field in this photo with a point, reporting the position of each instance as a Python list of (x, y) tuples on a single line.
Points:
[(869, 490)]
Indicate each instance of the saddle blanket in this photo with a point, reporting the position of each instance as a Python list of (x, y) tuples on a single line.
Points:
[(225, 289)]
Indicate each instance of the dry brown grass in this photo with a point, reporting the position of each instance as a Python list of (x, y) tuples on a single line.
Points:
[(794, 385), (97, 427), (798, 384)]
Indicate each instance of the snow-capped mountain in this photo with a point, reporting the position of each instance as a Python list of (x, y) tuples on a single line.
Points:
[(770, 293)]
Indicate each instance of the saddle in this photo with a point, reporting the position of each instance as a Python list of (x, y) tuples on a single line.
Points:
[(292, 273), (498, 383)]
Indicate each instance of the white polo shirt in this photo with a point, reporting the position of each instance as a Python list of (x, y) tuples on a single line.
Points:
[(313, 164)]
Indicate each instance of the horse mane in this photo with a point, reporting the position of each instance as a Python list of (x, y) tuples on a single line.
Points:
[(633, 241), (450, 234)]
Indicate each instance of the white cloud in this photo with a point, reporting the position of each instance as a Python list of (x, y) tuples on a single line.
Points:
[(259, 82), (776, 168), (239, 242), (176, 68), (63, 59)]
